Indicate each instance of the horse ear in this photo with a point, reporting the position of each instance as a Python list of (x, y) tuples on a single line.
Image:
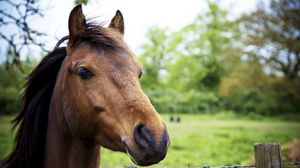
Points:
[(117, 22), (76, 24)]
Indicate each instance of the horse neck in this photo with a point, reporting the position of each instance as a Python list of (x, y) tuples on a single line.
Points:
[(62, 150)]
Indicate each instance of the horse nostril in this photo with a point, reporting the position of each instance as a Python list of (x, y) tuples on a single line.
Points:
[(143, 137)]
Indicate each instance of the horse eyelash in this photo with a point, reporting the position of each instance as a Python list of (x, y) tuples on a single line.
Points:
[(74, 66)]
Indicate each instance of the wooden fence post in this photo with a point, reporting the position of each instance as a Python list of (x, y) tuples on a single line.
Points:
[(267, 155)]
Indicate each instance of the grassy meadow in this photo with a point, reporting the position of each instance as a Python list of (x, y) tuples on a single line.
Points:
[(221, 139)]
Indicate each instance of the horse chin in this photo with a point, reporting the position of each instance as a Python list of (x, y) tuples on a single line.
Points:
[(113, 145), (116, 148)]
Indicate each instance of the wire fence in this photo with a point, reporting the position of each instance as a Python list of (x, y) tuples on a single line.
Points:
[(266, 155), (235, 166), (283, 165)]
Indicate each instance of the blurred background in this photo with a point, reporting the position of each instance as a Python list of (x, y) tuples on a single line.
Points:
[(223, 74)]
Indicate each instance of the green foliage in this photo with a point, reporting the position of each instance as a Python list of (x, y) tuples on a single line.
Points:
[(192, 101), (9, 95), (81, 1), (206, 66), (9, 100), (11, 83), (182, 70), (266, 94), (154, 58), (205, 41), (6, 138)]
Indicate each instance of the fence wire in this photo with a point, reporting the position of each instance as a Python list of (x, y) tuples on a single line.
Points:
[(297, 164), (235, 166), (284, 164), (290, 164)]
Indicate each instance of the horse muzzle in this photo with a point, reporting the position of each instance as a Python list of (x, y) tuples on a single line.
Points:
[(147, 150)]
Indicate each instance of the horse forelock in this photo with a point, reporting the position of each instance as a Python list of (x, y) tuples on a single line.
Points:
[(100, 37)]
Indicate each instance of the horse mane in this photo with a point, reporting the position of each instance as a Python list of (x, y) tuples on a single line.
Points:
[(32, 121)]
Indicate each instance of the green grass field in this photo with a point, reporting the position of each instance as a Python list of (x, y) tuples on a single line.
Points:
[(222, 139)]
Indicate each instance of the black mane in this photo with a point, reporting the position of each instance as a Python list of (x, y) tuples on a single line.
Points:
[(33, 119)]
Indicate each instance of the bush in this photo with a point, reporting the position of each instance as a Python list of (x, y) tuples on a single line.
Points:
[(263, 104), (170, 101), (11, 82), (9, 100)]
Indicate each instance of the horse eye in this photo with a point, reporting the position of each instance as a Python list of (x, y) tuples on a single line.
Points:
[(84, 73), (140, 75)]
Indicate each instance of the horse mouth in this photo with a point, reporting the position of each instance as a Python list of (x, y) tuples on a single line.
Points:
[(129, 153), (135, 158), (145, 157)]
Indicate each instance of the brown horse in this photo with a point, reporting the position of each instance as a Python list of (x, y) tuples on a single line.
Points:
[(84, 96)]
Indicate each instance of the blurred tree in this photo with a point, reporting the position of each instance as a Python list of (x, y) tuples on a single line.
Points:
[(249, 89), (210, 65), (264, 75), (156, 54), (11, 83), (205, 42), (183, 69), (81, 1), (16, 29), (273, 34), (245, 88)]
